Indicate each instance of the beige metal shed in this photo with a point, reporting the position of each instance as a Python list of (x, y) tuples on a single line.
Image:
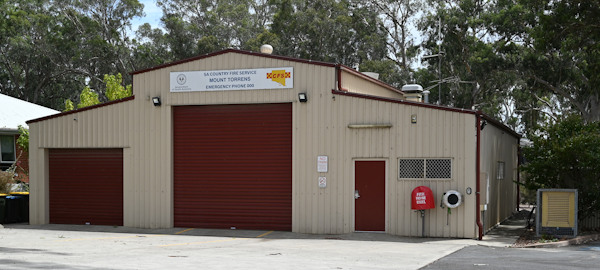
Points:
[(245, 140)]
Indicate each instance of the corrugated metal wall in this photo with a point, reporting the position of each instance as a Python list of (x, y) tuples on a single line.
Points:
[(320, 127), (437, 133), (144, 131), (498, 146)]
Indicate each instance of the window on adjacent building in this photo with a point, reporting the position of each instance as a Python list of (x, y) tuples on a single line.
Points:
[(500, 170), (7, 149), (425, 168)]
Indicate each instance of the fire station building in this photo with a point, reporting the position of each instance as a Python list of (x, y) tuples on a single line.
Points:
[(245, 140)]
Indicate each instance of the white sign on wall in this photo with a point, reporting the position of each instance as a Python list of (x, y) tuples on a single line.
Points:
[(322, 164), (238, 79), (322, 181)]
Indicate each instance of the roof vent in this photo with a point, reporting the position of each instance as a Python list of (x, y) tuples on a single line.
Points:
[(266, 49), (413, 92), (412, 88)]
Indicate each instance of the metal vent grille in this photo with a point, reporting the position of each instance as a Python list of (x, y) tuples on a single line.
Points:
[(411, 168), (439, 168), (558, 209), (435, 168)]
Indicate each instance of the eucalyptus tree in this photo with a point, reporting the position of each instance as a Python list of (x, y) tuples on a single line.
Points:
[(100, 28), (398, 18), (562, 55), (194, 27), (477, 67), (34, 57), (343, 31), (51, 49)]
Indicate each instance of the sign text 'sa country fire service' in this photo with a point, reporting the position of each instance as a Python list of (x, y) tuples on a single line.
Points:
[(238, 79)]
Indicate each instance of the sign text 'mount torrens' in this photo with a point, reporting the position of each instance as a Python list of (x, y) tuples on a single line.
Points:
[(238, 79)]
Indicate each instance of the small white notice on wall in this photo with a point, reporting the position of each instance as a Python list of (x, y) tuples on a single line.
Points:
[(322, 164), (322, 181)]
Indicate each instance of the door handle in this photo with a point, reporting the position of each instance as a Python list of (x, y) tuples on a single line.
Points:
[(356, 195)]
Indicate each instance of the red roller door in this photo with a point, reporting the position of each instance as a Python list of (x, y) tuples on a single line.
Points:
[(233, 166), (86, 186)]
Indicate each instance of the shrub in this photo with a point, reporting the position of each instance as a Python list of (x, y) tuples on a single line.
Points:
[(566, 154), (6, 181)]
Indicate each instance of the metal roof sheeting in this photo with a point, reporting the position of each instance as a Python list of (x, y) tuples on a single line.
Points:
[(15, 112)]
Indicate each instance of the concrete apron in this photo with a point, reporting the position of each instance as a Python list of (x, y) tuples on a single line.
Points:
[(107, 247)]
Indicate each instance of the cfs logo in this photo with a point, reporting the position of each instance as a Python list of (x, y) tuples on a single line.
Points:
[(181, 79), (279, 76)]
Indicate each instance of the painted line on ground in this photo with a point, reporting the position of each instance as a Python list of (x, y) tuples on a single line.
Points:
[(264, 234), (109, 238), (186, 230), (203, 242)]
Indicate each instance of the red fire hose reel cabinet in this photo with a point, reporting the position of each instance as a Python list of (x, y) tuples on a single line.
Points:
[(422, 198)]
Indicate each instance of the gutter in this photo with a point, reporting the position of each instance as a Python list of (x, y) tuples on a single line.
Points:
[(477, 177), (9, 130), (132, 97)]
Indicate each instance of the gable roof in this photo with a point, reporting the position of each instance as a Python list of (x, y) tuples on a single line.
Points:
[(200, 57), (339, 67), (15, 112)]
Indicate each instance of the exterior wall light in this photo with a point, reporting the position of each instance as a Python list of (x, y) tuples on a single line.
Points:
[(302, 97), (156, 101)]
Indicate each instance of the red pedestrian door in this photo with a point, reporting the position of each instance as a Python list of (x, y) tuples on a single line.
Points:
[(369, 194)]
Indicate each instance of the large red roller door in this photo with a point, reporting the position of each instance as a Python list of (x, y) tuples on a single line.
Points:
[(86, 186), (233, 166)]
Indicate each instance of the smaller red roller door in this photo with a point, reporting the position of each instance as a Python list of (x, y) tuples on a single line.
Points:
[(86, 186)]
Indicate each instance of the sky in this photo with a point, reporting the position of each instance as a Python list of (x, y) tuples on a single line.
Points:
[(153, 14)]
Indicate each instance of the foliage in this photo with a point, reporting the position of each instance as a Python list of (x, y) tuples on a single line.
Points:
[(398, 17), (87, 98), (114, 88), (69, 105), (388, 71), (50, 49), (33, 55), (23, 140), (6, 180), (194, 27), (474, 72), (525, 62), (19, 171), (562, 58), (9, 181), (345, 31), (566, 154)]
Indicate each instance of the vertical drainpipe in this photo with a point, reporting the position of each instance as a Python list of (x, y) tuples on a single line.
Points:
[(338, 69), (518, 177), (478, 176)]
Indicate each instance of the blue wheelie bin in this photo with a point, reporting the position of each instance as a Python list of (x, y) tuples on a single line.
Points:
[(19, 206)]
